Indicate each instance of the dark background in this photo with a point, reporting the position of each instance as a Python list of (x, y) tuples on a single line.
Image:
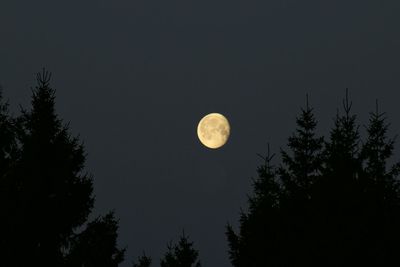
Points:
[(135, 77)]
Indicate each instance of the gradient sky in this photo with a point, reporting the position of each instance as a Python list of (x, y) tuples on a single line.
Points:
[(135, 77)]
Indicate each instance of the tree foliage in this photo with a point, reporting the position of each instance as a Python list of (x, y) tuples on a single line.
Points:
[(96, 246), (143, 261), (46, 195), (329, 203), (181, 255)]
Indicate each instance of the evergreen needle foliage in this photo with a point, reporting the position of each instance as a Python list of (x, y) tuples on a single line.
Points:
[(181, 255), (329, 203), (46, 196), (143, 261)]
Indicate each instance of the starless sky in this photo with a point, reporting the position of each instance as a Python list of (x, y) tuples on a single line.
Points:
[(135, 77)]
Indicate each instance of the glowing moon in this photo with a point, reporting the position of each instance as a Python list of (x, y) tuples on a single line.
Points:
[(213, 130)]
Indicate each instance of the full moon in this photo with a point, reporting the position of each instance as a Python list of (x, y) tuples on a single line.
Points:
[(213, 130)]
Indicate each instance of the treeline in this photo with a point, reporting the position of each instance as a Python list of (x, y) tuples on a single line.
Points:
[(329, 201), (332, 201), (46, 196)]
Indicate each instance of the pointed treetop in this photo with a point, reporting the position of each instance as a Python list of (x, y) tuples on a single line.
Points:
[(143, 261), (43, 78), (347, 104), (268, 158)]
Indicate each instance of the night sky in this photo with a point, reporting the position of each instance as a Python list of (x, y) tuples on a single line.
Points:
[(135, 77)]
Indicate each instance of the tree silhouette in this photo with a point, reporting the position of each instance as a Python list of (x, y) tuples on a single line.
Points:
[(336, 199), (54, 196), (48, 197), (8, 154), (382, 191), (303, 165), (300, 167), (143, 261), (7, 137), (333, 203), (96, 246), (258, 227), (181, 255)]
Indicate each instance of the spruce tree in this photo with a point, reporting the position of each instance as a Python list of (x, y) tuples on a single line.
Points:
[(257, 243), (54, 196), (8, 155), (46, 195), (143, 261), (7, 137), (332, 203), (276, 224), (301, 167), (181, 255), (96, 246), (381, 192), (336, 199)]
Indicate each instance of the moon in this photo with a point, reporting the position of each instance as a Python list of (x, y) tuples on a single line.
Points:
[(213, 130)]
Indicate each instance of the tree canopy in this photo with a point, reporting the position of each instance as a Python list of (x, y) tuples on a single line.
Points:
[(46, 195), (181, 254), (331, 202)]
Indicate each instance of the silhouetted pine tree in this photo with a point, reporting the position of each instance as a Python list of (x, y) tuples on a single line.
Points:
[(301, 166), (8, 155), (7, 137), (258, 242), (181, 255), (54, 197), (143, 261), (96, 246), (337, 195), (276, 223), (382, 195), (338, 201), (48, 196)]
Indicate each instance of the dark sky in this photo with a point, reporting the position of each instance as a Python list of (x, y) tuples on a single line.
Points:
[(135, 77)]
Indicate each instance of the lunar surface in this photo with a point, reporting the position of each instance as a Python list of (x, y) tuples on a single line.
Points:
[(213, 130)]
